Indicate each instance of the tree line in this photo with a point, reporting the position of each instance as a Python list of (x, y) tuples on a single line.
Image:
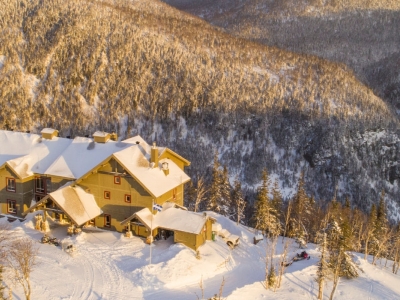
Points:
[(337, 226)]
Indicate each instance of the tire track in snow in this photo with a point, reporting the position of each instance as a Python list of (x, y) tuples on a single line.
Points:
[(86, 290)]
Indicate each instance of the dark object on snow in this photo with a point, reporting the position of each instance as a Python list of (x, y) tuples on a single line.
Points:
[(49, 240), (303, 255)]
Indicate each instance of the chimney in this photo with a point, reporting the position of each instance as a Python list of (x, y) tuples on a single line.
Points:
[(114, 137), (154, 155), (165, 168), (49, 133), (101, 136)]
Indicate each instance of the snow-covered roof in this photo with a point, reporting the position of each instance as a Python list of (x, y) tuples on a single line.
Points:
[(153, 179), (82, 155), (172, 218), (27, 154), (75, 202), (48, 130)]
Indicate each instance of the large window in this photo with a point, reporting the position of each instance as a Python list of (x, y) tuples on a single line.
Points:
[(11, 206), (11, 187), (40, 185), (107, 220)]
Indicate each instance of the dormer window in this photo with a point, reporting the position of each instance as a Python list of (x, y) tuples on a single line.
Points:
[(11, 187), (117, 179)]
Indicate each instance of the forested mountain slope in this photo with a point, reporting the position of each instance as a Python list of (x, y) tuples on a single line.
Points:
[(362, 34), (144, 67)]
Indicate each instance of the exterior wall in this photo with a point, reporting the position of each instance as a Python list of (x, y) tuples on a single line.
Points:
[(22, 195), (175, 195), (188, 239), (174, 158), (209, 229), (103, 181)]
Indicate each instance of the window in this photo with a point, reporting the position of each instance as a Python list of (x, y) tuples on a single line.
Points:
[(117, 179), (40, 185), (11, 206), (107, 195), (92, 222), (11, 185), (128, 198), (107, 221)]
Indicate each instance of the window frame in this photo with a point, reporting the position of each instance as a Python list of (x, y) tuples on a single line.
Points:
[(105, 220), (109, 195), (13, 211), (43, 189), (14, 184), (126, 198), (117, 179)]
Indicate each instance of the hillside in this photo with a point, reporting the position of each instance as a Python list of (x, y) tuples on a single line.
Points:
[(361, 34), (108, 266), (140, 67)]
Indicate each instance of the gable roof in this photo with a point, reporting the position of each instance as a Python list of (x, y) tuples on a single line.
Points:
[(75, 202), (171, 218), (153, 180), (27, 154), (83, 155)]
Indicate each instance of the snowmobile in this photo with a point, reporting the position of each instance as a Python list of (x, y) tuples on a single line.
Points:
[(302, 256), (49, 240)]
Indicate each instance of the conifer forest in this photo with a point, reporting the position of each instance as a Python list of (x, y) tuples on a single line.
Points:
[(278, 138)]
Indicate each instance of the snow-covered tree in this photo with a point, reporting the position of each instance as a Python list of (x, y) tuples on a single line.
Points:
[(238, 200), (215, 188), (225, 202), (302, 211), (263, 217), (277, 202), (323, 269)]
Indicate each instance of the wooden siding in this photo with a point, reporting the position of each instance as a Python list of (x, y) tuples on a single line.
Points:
[(22, 195), (188, 239)]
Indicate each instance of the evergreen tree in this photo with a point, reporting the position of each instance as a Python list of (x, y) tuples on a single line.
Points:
[(272, 278), (301, 211), (225, 202), (261, 206), (215, 189), (238, 200), (369, 230), (381, 220), (276, 203), (263, 217)]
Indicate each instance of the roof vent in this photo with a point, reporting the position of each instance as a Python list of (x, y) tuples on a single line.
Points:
[(49, 133), (165, 168)]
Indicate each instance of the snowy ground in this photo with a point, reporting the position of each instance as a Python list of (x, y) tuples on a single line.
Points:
[(110, 266)]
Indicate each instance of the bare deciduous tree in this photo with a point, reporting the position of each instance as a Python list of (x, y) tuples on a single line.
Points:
[(20, 261), (201, 192)]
